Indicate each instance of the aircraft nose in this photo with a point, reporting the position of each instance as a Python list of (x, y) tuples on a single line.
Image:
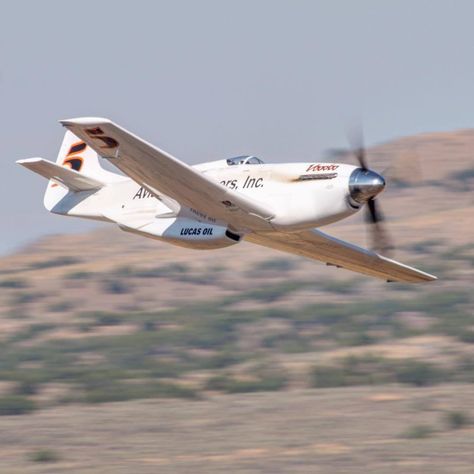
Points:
[(365, 184)]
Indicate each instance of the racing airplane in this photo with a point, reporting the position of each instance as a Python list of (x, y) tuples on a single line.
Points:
[(219, 203)]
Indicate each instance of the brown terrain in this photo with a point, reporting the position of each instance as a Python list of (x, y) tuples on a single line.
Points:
[(121, 354)]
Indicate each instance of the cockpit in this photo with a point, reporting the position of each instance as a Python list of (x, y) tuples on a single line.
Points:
[(244, 160)]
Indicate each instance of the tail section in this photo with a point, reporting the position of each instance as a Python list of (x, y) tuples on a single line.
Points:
[(77, 156), (77, 168)]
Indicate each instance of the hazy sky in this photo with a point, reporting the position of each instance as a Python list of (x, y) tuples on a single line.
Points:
[(210, 79)]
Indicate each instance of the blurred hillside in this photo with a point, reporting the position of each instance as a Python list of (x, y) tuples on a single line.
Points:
[(107, 316)]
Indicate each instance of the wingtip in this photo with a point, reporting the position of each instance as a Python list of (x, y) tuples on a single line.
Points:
[(415, 275), (426, 277), (28, 160), (84, 121)]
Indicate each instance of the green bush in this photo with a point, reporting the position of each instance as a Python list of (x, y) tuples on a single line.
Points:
[(457, 419), (32, 331), (465, 253), (425, 245), (465, 370), (358, 338), (173, 270), (418, 432), (13, 284), (276, 265), (148, 326), (104, 318), (119, 391), (288, 343), (79, 275), (420, 374), (44, 455), (123, 271), (218, 383), (220, 360), (55, 262), (202, 278), (269, 294), (15, 405), (467, 336), (363, 370), (26, 387), (339, 286), (26, 297), (463, 175), (109, 319), (228, 384), (370, 370), (327, 376), (116, 287), (60, 306)]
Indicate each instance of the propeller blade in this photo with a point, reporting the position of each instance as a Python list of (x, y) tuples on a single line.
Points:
[(374, 214), (356, 140), (381, 241), (361, 158)]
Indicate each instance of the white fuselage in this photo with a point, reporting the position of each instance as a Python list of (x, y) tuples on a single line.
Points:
[(302, 195)]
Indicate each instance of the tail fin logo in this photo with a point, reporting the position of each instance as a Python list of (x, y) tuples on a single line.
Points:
[(72, 160)]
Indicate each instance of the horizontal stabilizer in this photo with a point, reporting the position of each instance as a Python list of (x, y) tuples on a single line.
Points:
[(67, 177)]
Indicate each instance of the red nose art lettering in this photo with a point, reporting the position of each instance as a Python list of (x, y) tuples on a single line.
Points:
[(319, 167)]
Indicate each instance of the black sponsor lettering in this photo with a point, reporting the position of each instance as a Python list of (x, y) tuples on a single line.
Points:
[(202, 215), (231, 183), (198, 213), (143, 193), (248, 183), (138, 194), (253, 183), (196, 231), (191, 231)]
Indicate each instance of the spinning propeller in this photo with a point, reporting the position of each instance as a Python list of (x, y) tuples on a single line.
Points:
[(364, 186)]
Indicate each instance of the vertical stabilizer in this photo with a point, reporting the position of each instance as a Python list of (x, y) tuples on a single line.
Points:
[(76, 155)]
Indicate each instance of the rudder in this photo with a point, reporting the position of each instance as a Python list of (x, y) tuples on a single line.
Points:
[(75, 154)]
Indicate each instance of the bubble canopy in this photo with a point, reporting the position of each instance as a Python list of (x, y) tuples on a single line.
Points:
[(244, 160)]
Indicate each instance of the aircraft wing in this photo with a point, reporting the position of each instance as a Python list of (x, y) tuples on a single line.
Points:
[(161, 173), (319, 246)]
